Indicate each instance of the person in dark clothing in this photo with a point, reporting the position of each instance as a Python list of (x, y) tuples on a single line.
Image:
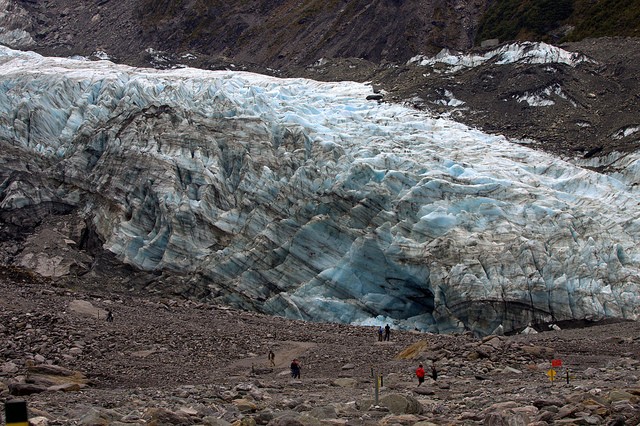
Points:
[(380, 331), (272, 358), (109, 316), (387, 332), (295, 369), (434, 372)]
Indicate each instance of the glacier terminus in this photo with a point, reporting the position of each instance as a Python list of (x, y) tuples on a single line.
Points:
[(304, 199)]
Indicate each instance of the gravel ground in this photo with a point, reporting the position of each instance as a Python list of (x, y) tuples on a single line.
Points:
[(171, 354)]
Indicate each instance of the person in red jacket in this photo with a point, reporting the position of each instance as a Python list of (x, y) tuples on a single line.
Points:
[(420, 374)]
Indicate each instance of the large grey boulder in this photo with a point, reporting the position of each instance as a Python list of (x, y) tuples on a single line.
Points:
[(401, 404)]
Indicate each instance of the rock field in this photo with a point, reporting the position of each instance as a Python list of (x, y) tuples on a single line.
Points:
[(165, 361)]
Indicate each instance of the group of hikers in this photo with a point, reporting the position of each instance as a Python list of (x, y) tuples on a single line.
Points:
[(384, 334), (386, 331), (296, 367)]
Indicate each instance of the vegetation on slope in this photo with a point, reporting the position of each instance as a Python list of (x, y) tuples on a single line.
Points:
[(605, 18), (559, 20)]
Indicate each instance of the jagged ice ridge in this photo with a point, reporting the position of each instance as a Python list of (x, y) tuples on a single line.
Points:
[(299, 198), (522, 52)]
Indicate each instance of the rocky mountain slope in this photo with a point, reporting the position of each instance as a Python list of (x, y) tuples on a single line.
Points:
[(575, 112), (266, 33), (286, 33)]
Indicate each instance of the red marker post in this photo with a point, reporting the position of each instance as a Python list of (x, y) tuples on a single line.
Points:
[(16, 413), (555, 363)]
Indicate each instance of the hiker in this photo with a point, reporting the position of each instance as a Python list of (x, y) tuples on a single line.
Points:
[(387, 332), (272, 358), (420, 374), (109, 315), (434, 372), (295, 368), (380, 331)]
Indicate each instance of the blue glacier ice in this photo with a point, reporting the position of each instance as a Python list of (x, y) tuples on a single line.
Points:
[(303, 199)]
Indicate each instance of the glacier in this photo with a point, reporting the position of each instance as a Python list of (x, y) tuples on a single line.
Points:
[(304, 199)]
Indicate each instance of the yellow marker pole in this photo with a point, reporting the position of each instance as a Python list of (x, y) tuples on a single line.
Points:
[(376, 389), (552, 375), (16, 413)]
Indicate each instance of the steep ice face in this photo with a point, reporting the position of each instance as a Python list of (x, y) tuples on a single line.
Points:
[(300, 198)]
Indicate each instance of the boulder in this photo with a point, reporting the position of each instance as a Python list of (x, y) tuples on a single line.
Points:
[(9, 368), (244, 405), (65, 387), (163, 416), (23, 389), (85, 308), (402, 419), (401, 404), (287, 420), (324, 412), (214, 421), (424, 390), (345, 382), (96, 416), (617, 395), (38, 421), (538, 351), (56, 378)]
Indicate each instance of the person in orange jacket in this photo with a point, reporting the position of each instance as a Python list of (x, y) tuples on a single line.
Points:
[(420, 374)]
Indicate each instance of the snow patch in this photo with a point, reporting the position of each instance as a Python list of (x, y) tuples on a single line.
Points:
[(449, 100), (102, 55), (543, 97), (523, 52), (624, 132)]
